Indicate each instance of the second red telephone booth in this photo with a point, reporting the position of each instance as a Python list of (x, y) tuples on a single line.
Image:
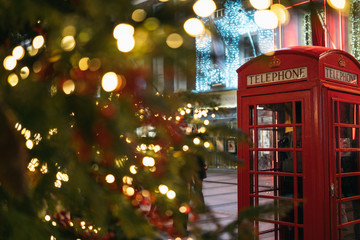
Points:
[(301, 108)]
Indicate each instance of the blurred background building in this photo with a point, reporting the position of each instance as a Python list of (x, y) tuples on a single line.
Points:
[(234, 36)]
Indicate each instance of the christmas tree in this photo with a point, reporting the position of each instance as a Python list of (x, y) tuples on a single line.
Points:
[(89, 148)]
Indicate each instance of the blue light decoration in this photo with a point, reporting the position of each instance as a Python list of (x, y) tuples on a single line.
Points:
[(218, 53)]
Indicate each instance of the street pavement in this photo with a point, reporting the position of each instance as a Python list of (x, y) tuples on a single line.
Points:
[(220, 194)]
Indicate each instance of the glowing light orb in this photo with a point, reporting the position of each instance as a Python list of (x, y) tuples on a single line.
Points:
[(337, 4), (260, 4), (47, 218), (38, 42), (18, 52), (171, 194), (68, 86), (163, 189), (24, 72), (196, 141), (206, 144), (194, 27), (152, 24), (109, 81), (138, 15), (68, 43), (174, 40), (10, 63), (110, 178), (126, 43), (133, 169), (148, 161), (266, 19), (84, 63), (122, 30), (13, 79), (29, 144), (281, 12), (185, 148), (204, 8), (206, 122)]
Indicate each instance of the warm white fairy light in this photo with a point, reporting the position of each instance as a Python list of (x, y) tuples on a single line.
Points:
[(57, 183), (68, 86), (337, 4), (138, 15), (133, 169), (110, 178), (109, 81), (13, 79), (174, 40), (260, 4), (182, 112), (44, 168), (18, 52), (194, 27), (34, 162), (128, 190), (29, 144), (123, 29), (9, 63), (148, 161), (127, 180), (266, 19), (84, 63), (204, 8), (185, 148), (196, 141), (38, 42), (68, 43), (206, 144), (62, 176), (171, 194), (163, 189), (47, 218)]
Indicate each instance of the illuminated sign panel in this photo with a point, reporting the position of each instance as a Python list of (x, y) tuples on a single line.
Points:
[(334, 74), (277, 76)]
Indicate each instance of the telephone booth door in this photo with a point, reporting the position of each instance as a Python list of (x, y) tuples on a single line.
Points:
[(345, 165), (275, 124)]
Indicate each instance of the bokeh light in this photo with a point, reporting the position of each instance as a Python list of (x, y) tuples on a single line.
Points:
[(68, 43), (281, 12), (138, 15), (84, 63), (163, 189), (204, 8), (337, 4), (194, 27), (13, 79), (174, 40), (122, 30), (68, 86), (24, 72), (266, 19), (148, 161), (110, 178), (196, 141), (109, 81), (126, 44), (133, 169), (185, 148), (18, 52), (152, 24), (38, 42), (10, 63), (29, 144), (69, 31), (171, 194), (260, 4)]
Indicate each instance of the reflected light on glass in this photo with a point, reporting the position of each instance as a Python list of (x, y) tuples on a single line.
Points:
[(266, 19), (194, 27), (204, 8)]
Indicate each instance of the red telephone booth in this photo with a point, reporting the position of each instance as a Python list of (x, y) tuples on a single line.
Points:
[(301, 108)]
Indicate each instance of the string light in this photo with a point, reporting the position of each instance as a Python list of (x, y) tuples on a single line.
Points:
[(204, 8), (194, 27), (171, 194), (231, 28), (110, 178), (38, 42)]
